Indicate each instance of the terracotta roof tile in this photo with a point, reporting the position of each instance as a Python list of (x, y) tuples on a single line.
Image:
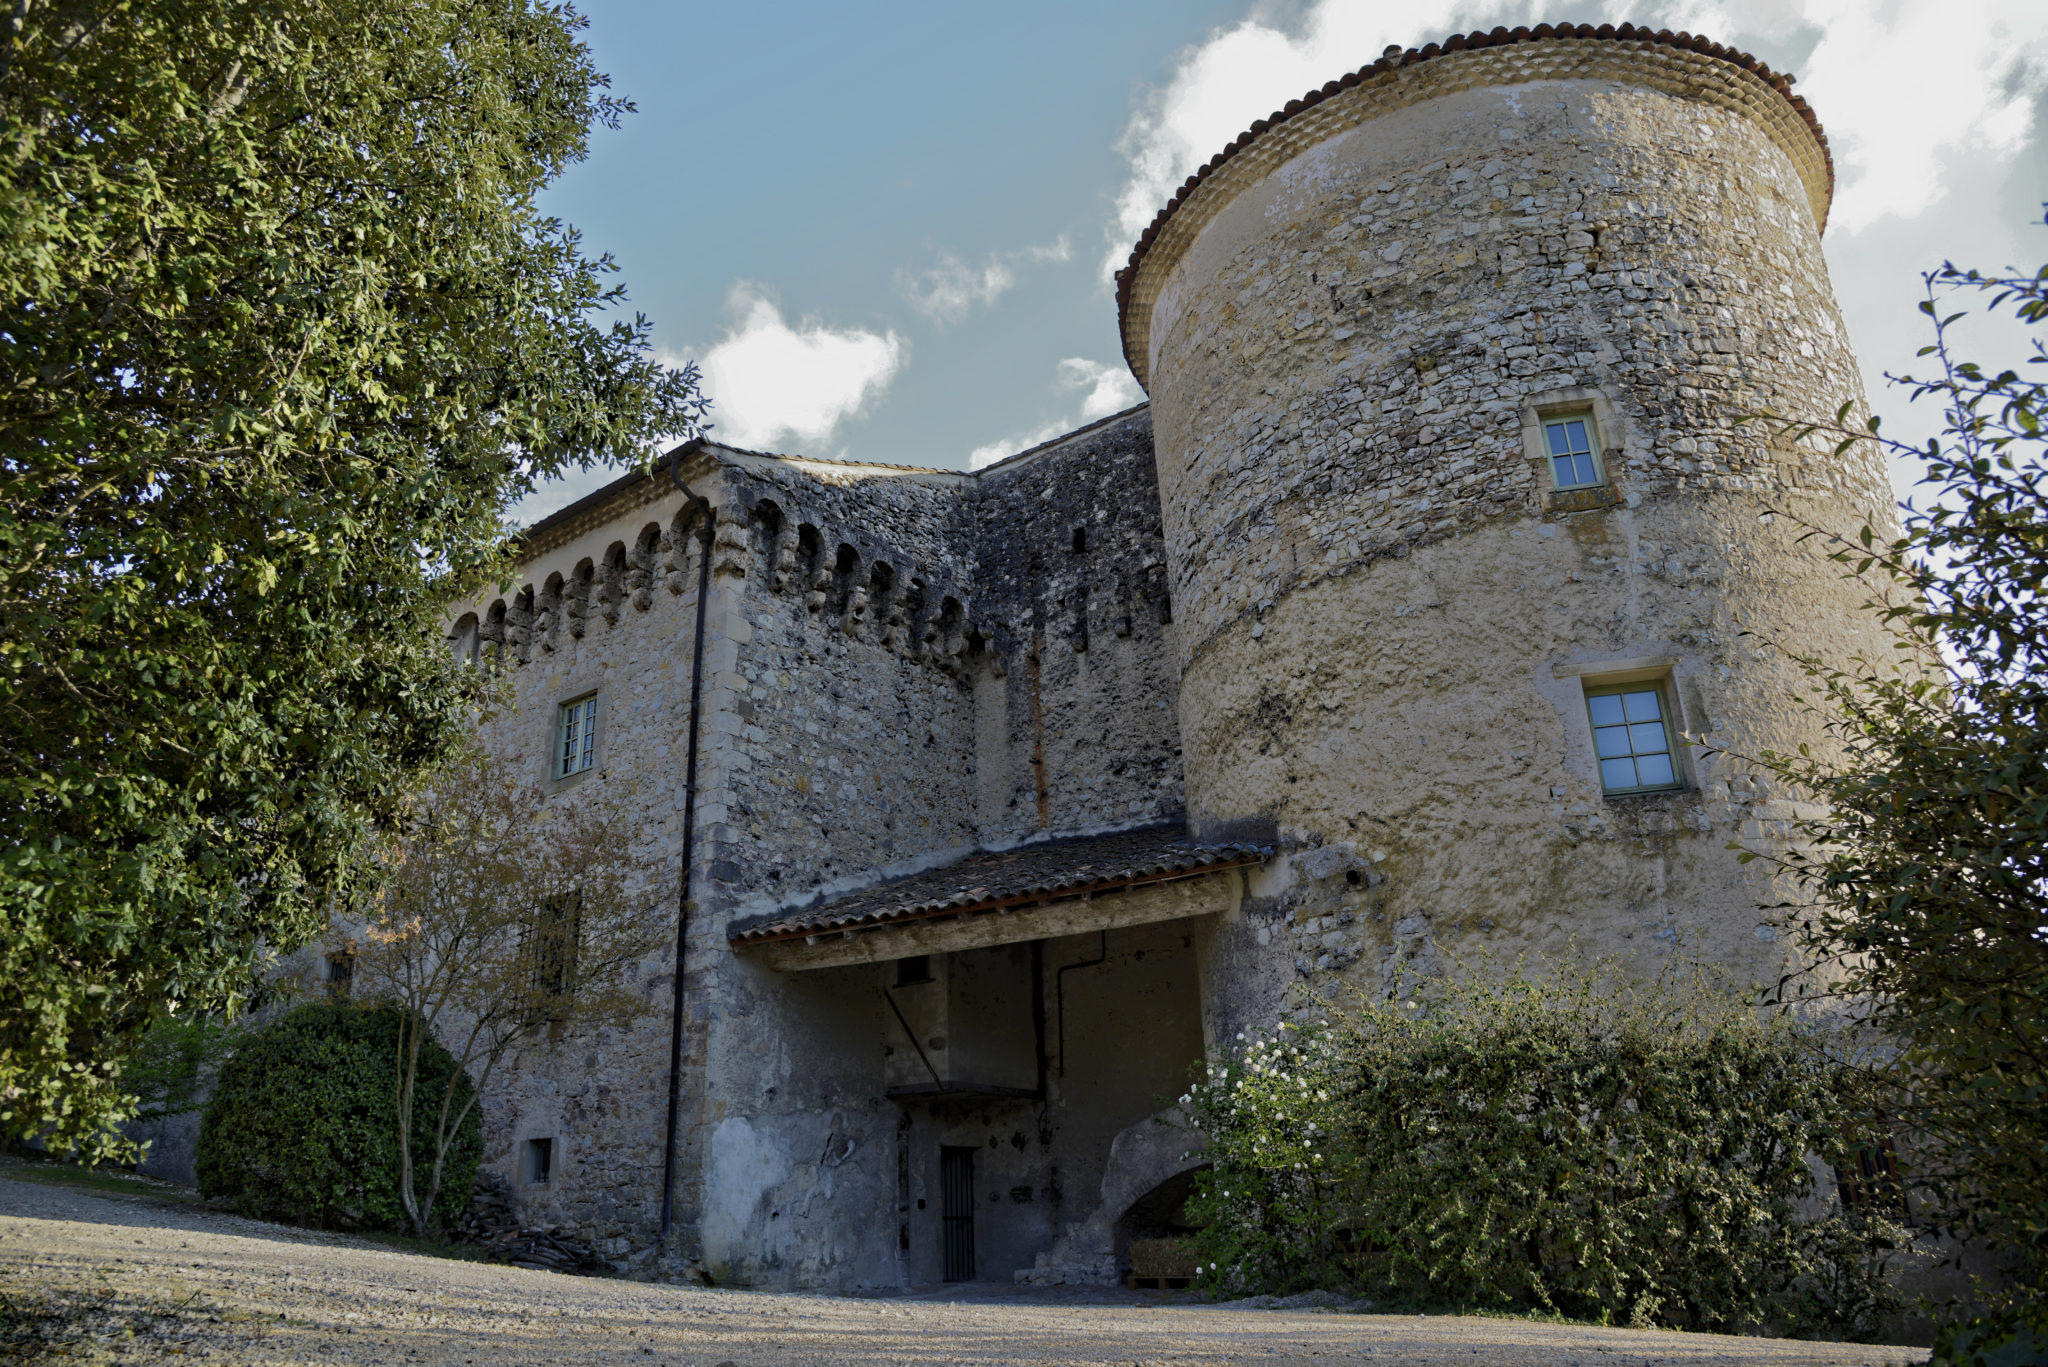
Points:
[(1046, 871)]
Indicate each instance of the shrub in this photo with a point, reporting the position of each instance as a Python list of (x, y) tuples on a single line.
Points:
[(303, 1124), (1579, 1144)]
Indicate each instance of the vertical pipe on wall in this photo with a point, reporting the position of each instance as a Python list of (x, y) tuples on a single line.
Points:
[(706, 516)]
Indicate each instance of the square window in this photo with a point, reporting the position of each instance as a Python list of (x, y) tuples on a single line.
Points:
[(1871, 1180), (1571, 443), (550, 945), (341, 972), (914, 970), (576, 736), (1632, 738)]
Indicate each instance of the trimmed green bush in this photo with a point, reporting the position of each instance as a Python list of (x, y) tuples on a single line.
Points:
[(303, 1127), (1581, 1145)]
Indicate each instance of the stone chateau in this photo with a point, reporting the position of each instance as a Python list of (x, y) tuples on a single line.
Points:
[(1375, 639)]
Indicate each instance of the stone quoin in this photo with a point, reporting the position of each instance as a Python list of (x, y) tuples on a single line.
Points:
[(1375, 638)]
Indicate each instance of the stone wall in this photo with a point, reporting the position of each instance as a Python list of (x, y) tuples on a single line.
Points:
[(1079, 728), (563, 630), (901, 666), (1385, 614)]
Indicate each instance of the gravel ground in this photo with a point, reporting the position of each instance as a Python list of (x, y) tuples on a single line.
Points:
[(124, 1279)]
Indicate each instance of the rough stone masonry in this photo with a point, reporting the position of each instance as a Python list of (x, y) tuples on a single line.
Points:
[(1022, 791)]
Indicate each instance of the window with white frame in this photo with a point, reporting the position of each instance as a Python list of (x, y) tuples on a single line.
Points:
[(1573, 446), (576, 737), (1633, 738)]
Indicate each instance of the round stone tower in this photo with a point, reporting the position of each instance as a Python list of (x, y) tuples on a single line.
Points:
[(1447, 361)]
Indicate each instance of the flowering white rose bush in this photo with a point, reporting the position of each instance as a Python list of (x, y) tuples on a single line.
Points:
[(1563, 1140)]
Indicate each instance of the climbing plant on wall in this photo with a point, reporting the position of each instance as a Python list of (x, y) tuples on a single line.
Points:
[(282, 334)]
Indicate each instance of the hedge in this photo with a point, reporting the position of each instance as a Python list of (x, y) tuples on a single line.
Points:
[(1576, 1144), (302, 1125)]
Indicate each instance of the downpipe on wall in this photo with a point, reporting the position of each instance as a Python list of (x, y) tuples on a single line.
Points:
[(707, 515)]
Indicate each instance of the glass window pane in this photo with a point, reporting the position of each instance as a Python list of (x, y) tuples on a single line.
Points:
[(1610, 741), (1582, 468), (1560, 444), (589, 735), (1563, 471), (1617, 773), (1575, 433), (1652, 770), (1642, 706), (1606, 710), (1647, 738)]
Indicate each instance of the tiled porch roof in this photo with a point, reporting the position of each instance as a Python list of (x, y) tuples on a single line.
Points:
[(1048, 871)]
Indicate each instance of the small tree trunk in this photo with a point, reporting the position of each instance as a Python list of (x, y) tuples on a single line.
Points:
[(408, 1068)]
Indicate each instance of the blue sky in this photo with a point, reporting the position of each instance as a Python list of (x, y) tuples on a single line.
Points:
[(886, 229)]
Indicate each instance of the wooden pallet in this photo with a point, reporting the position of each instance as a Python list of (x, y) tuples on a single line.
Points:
[(1138, 1283)]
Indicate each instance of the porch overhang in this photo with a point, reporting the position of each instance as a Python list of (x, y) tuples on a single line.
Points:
[(1033, 892)]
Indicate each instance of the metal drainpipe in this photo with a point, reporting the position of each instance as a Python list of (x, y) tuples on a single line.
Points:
[(709, 515)]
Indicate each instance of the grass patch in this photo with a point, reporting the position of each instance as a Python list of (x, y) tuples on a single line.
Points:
[(29, 1166)]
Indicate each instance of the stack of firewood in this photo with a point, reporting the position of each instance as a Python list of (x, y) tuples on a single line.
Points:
[(491, 1224)]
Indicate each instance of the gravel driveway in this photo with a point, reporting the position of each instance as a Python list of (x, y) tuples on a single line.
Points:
[(123, 1279)]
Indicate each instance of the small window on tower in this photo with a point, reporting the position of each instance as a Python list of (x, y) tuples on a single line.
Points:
[(576, 737), (1573, 447), (914, 970), (540, 1160), (1633, 738)]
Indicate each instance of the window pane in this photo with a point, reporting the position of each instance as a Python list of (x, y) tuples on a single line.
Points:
[(1606, 710), (1642, 706), (1582, 468), (1610, 741), (1575, 433), (1653, 770), (1560, 444), (1563, 472), (589, 750), (1617, 773), (1647, 738)]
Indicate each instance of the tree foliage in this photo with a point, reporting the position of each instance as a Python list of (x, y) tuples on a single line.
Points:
[(171, 1067), (501, 919), (303, 1122), (281, 334), (1571, 1142), (1928, 878)]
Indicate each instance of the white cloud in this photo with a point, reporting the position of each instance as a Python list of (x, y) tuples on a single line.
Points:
[(949, 291), (1907, 90), (769, 381), (982, 456), (1110, 389), (1903, 89)]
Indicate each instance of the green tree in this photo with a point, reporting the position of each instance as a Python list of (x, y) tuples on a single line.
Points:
[(282, 334), (1928, 880)]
